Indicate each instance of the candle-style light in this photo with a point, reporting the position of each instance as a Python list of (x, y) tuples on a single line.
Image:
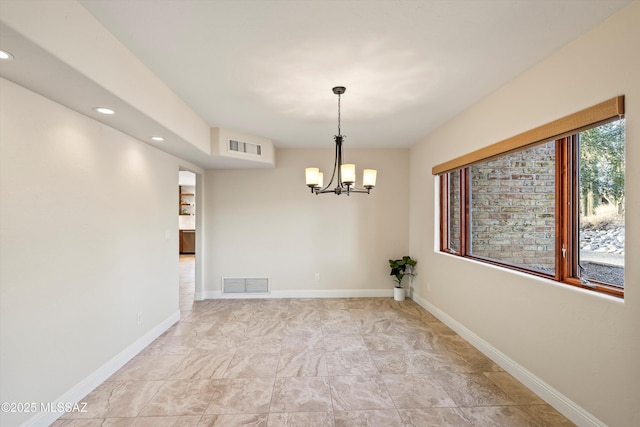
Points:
[(312, 176), (369, 178)]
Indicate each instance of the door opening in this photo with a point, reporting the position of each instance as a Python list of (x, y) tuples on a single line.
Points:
[(187, 237)]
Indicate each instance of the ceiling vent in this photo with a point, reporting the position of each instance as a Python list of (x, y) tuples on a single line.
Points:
[(245, 147), (240, 150)]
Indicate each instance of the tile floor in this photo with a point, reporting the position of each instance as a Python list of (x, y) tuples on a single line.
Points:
[(310, 362)]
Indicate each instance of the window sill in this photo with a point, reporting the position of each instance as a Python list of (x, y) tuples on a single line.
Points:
[(536, 278)]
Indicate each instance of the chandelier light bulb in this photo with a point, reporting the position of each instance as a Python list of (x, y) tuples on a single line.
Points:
[(348, 172), (311, 175), (369, 178)]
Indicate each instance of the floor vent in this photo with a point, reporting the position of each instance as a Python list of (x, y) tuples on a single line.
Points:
[(236, 285)]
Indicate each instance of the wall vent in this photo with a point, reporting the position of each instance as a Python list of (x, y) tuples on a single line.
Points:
[(244, 147), (237, 285)]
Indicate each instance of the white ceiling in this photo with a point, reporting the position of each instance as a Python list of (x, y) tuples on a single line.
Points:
[(266, 67)]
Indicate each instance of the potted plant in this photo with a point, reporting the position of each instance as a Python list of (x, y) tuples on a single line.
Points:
[(400, 268)]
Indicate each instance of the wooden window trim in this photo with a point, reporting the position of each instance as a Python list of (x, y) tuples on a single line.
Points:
[(564, 209), (597, 287), (465, 209), (589, 117), (445, 186), (570, 229), (444, 213)]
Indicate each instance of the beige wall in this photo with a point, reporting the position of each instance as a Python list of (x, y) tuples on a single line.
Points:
[(266, 223), (584, 345), (84, 215)]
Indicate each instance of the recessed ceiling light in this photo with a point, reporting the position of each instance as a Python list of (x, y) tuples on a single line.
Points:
[(157, 138), (104, 110), (6, 56)]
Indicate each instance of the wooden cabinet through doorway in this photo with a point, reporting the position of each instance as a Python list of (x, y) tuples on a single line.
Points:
[(187, 241)]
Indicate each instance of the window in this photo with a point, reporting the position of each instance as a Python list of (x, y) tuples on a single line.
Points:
[(600, 200), (553, 207), (453, 225), (512, 215)]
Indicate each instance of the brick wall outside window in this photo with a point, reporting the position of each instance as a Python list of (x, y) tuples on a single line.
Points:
[(513, 208)]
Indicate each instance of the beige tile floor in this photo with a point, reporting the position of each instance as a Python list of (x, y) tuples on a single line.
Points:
[(310, 362)]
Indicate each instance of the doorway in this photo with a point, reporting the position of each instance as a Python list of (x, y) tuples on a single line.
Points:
[(187, 238)]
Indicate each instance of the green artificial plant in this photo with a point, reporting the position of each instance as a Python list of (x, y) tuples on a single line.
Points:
[(402, 267)]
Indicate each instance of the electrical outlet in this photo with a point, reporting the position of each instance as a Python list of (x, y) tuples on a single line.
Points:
[(317, 277), (428, 287), (139, 318)]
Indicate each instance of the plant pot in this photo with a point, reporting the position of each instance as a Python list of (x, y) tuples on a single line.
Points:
[(398, 294)]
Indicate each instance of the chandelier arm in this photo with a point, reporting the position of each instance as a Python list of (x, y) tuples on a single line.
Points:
[(355, 189), (336, 164), (351, 190), (339, 158), (346, 188)]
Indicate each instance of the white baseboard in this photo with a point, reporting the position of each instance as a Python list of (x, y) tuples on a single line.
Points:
[(553, 397), (87, 385), (330, 293)]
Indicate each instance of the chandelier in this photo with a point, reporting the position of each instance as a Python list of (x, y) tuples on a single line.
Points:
[(343, 174)]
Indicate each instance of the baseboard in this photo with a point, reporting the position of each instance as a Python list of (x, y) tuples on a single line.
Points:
[(87, 385), (330, 293), (553, 397)]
